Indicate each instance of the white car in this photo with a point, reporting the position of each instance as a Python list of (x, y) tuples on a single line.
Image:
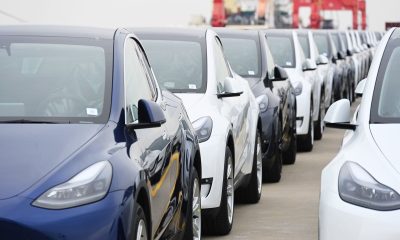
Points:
[(360, 187), (224, 113), (297, 67), (324, 77)]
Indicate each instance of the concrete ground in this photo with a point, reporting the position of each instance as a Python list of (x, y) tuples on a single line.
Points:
[(289, 209)]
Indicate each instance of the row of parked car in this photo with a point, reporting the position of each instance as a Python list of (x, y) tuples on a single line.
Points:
[(155, 133)]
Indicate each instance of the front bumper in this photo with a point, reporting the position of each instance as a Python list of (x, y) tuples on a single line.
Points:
[(341, 220), (212, 164), (101, 220), (303, 113)]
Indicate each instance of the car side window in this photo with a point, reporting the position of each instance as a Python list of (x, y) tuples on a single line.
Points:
[(137, 84), (221, 66)]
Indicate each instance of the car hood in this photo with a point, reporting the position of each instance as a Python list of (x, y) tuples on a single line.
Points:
[(30, 151), (385, 136)]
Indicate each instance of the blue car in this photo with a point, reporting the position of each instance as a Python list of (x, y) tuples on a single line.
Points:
[(91, 147)]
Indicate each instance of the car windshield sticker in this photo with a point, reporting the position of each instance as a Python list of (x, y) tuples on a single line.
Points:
[(91, 111), (288, 63), (192, 86), (251, 72)]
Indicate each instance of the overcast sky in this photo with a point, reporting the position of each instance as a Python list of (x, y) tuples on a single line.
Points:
[(145, 12)]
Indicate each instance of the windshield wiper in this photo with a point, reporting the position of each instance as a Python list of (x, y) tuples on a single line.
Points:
[(27, 121)]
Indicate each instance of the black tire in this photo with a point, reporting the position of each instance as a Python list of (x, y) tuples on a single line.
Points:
[(219, 224), (319, 125), (140, 218), (289, 156), (273, 175), (190, 229), (306, 143), (252, 192)]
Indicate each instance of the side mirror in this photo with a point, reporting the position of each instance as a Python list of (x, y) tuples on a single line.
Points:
[(360, 87), (232, 88), (150, 115), (322, 60), (309, 65), (338, 115), (280, 74), (341, 55), (349, 52)]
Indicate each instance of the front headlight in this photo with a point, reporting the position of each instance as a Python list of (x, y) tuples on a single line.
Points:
[(88, 186), (262, 103), (358, 187), (203, 127)]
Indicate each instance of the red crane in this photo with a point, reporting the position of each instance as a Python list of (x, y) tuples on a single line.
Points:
[(218, 18), (319, 5)]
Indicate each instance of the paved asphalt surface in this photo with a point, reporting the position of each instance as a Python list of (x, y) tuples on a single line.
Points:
[(288, 210)]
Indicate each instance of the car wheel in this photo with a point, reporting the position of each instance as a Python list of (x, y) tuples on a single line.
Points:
[(193, 230), (306, 143), (289, 156), (319, 125), (221, 224), (252, 192), (140, 225)]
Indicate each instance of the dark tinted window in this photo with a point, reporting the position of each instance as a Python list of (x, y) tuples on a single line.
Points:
[(177, 64), (243, 55), (55, 79), (282, 50), (305, 45), (322, 43)]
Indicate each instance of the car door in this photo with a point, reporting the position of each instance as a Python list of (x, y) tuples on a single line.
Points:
[(236, 109), (154, 143)]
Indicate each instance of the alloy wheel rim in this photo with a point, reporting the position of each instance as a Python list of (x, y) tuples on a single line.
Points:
[(322, 110), (229, 189), (141, 232), (312, 124), (259, 166), (196, 211)]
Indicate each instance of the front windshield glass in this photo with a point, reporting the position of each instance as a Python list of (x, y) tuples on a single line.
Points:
[(303, 39), (322, 43), (54, 79), (178, 64), (386, 96), (336, 41), (282, 50), (243, 55)]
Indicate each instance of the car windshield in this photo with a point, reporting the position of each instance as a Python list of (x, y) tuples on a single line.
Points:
[(336, 41), (386, 102), (58, 80), (243, 55), (303, 39), (322, 43), (344, 41), (282, 50), (178, 65)]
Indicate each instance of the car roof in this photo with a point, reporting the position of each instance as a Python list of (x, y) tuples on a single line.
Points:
[(236, 32), (57, 31), (287, 32), (183, 32)]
